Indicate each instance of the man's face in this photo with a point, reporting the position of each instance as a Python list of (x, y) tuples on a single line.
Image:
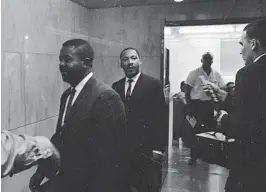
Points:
[(231, 87), (247, 47), (206, 63), (130, 63), (71, 67)]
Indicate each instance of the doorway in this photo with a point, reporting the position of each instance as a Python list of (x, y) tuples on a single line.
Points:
[(187, 41)]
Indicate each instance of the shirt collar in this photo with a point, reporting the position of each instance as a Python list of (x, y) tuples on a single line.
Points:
[(82, 83), (135, 79), (202, 70), (255, 60)]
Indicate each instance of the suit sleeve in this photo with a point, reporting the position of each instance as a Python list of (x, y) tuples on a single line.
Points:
[(244, 109), (111, 130)]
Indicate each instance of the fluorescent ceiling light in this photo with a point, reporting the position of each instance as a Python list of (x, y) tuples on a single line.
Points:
[(206, 29), (218, 36), (178, 1)]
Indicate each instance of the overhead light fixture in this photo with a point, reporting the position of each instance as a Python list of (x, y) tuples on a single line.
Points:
[(178, 1), (228, 28), (213, 36), (206, 29)]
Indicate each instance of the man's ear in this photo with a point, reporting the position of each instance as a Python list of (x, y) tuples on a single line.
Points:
[(87, 62), (254, 44)]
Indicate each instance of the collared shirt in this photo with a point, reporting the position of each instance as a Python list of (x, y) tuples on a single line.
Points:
[(264, 54), (195, 82), (78, 89), (135, 79), (19, 152)]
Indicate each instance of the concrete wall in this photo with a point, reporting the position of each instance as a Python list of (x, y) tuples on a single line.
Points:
[(32, 34)]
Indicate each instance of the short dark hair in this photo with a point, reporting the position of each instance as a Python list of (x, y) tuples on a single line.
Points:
[(230, 82), (129, 48), (207, 55), (257, 30), (83, 48)]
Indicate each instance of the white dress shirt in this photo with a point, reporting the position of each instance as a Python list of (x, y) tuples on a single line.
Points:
[(78, 89), (133, 83)]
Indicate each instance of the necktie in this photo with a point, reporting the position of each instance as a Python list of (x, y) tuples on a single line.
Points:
[(69, 104), (128, 94)]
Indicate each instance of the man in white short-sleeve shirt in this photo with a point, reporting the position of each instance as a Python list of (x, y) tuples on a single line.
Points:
[(195, 83), (200, 104)]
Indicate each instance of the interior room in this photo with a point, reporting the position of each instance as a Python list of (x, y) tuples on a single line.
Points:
[(185, 46), (32, 33), (221, 40)]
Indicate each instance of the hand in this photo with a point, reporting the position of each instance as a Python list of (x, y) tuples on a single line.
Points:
[(206, 89), (221, 117), (50, 167), (35, 181), (215, 87)]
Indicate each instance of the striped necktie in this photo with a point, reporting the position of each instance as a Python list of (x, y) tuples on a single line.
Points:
[(128, 94)]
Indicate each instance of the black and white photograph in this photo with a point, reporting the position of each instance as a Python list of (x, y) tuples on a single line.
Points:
[(133, 95)]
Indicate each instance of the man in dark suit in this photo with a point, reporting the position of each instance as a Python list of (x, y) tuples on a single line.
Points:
[(91, 128), (145, 105), (247, 123)]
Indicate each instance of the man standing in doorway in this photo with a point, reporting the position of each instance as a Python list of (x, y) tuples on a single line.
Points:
[(200, 104), (145, 105)]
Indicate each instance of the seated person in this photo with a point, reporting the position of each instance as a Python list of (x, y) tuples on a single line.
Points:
[(230, 87), (181, 95)]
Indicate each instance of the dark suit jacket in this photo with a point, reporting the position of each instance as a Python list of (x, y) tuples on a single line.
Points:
[(146, 128), (92, 140), (229, 104), (248, 120)]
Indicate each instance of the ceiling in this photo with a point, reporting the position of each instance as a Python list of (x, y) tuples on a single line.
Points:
[(98, 4)]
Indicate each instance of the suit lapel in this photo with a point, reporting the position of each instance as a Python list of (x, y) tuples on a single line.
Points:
[(62, 107), (82, 95), (138, 87)]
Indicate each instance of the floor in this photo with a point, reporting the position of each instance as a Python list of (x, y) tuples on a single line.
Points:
[(181, 177)]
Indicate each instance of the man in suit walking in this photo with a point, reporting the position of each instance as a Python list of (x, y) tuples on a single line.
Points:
[(145, 105), (91, 127), (247, 123)]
